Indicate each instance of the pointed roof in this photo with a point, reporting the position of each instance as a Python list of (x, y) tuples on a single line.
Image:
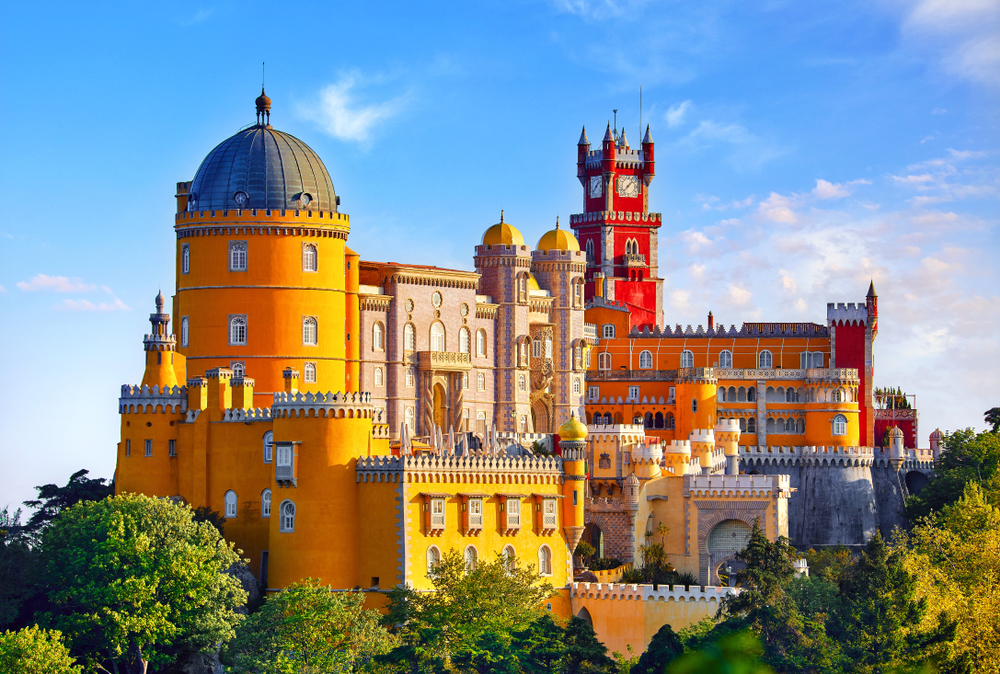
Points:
[(647, 138), (583, 137), (607, 134), (871, 290), (622, 140)]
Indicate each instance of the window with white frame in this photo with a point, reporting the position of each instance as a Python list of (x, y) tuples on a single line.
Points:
[(593, 392), (433, 559), (481, 381), (437, 513), (309, 257), (437, 336), (646, 360), (465, 420), (378, 337), (309, 331), (587, 358), (409, 337), (184, 331), (378, 377), (549, 513), (239, 369), (522, 383), (409, 378), (475, 513), (523, 348), (185, 258), (286, 522), (230, 502), (548, 347), (687, 358), (544, 561), (464, 340), (577, 387), (265, 503), (513, 513), (604, 361), (237, 256), (633, 392), (577, 357), (840, 425), (408, 418), (608, 331), (536, 348), (284, 458), (149, 448), (465, 380), (268, 446), (764, 359), (726, 358), (309, 373), (237, 329), (524, 423), (481, 343), (509, 558), (471, 558)]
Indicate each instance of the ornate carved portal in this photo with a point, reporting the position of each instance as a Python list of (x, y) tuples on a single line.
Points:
[(442, 401)]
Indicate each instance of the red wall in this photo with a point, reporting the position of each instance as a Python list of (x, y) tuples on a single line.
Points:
[(851, 354)]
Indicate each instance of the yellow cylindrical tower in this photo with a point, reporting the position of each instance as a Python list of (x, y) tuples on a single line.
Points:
[(697, 389), (727, 439), (703, 448), (573, 444), (162, 361), (353, 312), (832, 414), (646, 459), (677, 457)]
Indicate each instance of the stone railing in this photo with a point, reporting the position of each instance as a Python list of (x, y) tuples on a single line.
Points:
[(647, 593), (390, 468), (635, 260), (895, 414), (590, 331), (631, 375), (444, 360)]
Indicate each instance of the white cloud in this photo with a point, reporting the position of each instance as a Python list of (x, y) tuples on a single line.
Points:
[(731, 133), (963, 35), (777, 208), (2, 290), (938, 111), (57, 284), (87, 305), (675, 114), (827, 190), (599, 9), (339, 114), (787, 282), (739, 296), (913, 180)]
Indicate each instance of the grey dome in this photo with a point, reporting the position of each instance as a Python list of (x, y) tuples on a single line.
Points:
[(262, 168)]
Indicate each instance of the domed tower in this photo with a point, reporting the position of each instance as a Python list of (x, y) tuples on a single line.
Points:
[(558, 266), (162, 362), (573, 445), (264, 275), (504, 264)]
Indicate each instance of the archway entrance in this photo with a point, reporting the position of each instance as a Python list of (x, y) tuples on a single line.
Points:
[(540, 417), (724, 541), (441, 407), (915, 481), (593, 535)]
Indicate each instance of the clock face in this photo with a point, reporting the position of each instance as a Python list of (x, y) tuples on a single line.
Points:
[(628, 186), (596, 186)]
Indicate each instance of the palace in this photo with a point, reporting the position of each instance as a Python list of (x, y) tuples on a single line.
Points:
[(355, 420)]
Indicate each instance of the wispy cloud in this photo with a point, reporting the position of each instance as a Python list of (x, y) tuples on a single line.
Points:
[(599, 9), (342, 114), (828, 190), (87, 305), (2, 290), (964, 36), (675, 114), (198, 17), (56, 284)]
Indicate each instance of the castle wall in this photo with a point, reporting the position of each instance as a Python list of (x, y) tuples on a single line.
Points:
[(890, 494)]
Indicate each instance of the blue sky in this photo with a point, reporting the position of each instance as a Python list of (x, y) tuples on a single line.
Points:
[(802, 149)]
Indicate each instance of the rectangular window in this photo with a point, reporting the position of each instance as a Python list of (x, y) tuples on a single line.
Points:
[(587, 359), (437, 513), (237, 256), (574, 497), (283, 465), (549, 513), (185, 258), (633, 392), (309, 372), (149, 448), (673, 391), (608, 331), (513, 513), (128, 448), (184, 331), (475, 513), (173, 447), (593, 392), (536, 348), (263, 568)]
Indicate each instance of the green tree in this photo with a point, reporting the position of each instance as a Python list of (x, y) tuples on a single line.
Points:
[(489, 654), (491, 598), (17, 562), (35, 651), (131, 575), (992, 417), (664, 648), (967, 457), (308, 627), (880, 604), (53, 499), (213, 517), (539, 646), (584, 651), (738, 653)]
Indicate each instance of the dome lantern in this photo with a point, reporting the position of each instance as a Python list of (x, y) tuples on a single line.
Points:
[(263, 110)]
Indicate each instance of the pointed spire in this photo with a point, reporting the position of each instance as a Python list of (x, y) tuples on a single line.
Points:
[(607, 134), (583, 137), (622, 140), (557, 222), (647, 138), (501, 216), (871, 289)]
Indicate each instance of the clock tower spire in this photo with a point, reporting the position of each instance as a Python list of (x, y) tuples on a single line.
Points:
[(616, 228)]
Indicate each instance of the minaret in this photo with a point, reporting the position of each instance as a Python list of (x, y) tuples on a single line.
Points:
[(160, 345), (573, 445)]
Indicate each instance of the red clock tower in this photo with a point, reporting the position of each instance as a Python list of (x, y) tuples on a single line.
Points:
[(616, 228)]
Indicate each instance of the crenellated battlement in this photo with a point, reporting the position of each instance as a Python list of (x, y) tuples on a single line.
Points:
[(747, 330), (846, 313), (147, 399), (464, 469), (806, 455), (352, 404), (247, 215), (247, 415), (615, 591), (737, 485), (619, 217)]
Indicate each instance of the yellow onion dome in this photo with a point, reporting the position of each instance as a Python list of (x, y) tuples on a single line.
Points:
[(573, 430), (533, 283), (502, 234), (558, 239)]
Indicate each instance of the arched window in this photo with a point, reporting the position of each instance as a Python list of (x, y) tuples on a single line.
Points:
[(721, 395), (265, 503), (648, 420), (769, 426), (751, 425), (309, 257), (409, 378), (481, 343), (509, 558), (464, 340), (185, 258), (548, 347), (752, 394), (309, 337), (604, 361), (286, 523), (726, 359), (523, 348), (764, 360), (378, 337), (791, 396), (481, 381), (577, 388), (731, 394), (238, 330), (408, 418), (687, 358), (590, 251), (231, 504), (471, 558), (465, 380), (769, 394), (268, 447), (800, 426), (741, 395), (433, 559), (608, 332), (239, 369), (646, 360), (309, 373), (544, 561), (409, 337), (184, 331), (840, 425), (743, 425), (522, 383), (437, 336), (237, 256), (378, 377), (524, 423)]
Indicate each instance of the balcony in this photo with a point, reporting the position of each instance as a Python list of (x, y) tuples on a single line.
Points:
[(444, 361), (633, 260), (590, 331)]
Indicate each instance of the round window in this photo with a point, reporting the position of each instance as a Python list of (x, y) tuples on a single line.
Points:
[(241, 198), (465, 309), (409, 306), (306, 198), (436, 299)]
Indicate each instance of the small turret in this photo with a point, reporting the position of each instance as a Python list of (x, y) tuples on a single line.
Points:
[(648, 158), (573, 443), (582, 149), (160, 347), (936, 443), (608, 151), (871, 303), (897, 452)]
